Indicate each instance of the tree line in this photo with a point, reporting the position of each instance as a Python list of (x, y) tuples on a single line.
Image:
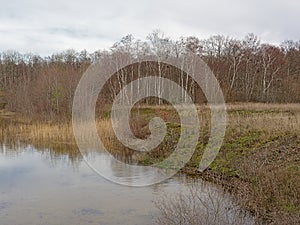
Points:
[(247, 70)]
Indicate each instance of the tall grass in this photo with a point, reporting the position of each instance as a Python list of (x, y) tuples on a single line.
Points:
[(258, 162)]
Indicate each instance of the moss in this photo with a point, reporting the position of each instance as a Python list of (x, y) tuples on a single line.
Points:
[(106, 114), (291, 208), (223, 166), (146, 160), (293, 168)]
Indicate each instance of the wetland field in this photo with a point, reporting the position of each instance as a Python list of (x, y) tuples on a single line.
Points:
[(256, 172)]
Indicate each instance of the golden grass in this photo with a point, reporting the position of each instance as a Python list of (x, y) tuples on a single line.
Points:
[(50, 132), (59, 137), (258, 158), (270, 122), (269, 118), (295, 107)]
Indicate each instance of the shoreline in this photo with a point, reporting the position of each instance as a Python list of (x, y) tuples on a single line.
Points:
[(258, 162)]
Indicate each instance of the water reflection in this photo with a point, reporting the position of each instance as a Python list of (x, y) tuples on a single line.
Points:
[(55, 153), (52, 185)]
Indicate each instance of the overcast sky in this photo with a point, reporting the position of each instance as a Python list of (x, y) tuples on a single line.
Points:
[(49, 26)]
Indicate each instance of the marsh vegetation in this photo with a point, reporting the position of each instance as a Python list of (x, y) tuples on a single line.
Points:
[(258, 161)]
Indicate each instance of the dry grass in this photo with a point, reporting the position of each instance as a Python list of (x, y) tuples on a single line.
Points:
[(59, 136), (48, 132), (267, 118), (293, 107), (258, 162), (37, 132), (260, 156)]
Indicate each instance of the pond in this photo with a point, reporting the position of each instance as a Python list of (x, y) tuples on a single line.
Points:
[(40, 185)]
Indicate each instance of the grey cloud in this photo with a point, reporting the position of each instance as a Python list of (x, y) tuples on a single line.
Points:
[(50, 26)]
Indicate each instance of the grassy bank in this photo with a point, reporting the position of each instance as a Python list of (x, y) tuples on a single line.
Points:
[(258, 161)]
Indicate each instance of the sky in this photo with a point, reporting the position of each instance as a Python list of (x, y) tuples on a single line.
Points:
[(50, 26)]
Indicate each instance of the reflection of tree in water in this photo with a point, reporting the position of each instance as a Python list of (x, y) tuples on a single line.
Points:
[(58, 152), (53, 152)]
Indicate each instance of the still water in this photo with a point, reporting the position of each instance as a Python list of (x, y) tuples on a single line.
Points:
[(41, 185)]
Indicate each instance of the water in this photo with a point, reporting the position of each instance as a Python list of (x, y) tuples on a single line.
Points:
[(54, 186)]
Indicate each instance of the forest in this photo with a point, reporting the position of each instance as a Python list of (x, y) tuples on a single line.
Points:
[(247, 70)]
